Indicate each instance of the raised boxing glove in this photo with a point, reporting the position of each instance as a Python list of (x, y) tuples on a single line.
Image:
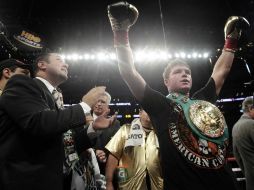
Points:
[(233, 29), (122, 16)]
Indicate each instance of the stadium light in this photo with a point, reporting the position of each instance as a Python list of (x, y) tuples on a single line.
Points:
[(139, 56)]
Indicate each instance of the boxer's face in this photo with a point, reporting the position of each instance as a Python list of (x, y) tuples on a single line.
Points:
[(179, 79)]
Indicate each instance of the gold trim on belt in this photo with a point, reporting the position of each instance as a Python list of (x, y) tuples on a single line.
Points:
[(207, 118)]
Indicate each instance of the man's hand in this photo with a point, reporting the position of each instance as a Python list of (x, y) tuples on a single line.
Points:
[(89, 119), (93, 95), (101, 155), (103, 121)]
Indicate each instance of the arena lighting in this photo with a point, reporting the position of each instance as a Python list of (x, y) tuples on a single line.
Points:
[(205, 55), (101, 56), (230, 99), (112, 56), (86, 56), (130, 104), (121, 104), (139, 56), (182, 55), (194, 55)]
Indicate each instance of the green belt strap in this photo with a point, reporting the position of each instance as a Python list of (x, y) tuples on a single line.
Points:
[(185, 103)]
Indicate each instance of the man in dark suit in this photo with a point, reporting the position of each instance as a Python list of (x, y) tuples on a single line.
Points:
[(243, 141), (104, 136), (99, 139), (31, 126)]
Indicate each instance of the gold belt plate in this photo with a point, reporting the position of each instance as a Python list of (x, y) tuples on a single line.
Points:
[(207, 118)]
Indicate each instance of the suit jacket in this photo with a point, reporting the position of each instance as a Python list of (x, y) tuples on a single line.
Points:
[(243, 147), (105, 135), (31, 127)]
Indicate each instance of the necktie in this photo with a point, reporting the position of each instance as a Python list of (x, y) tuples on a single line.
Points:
[(58, 97), (70, 154)]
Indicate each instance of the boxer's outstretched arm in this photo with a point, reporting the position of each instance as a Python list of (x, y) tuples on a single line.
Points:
[(134, 80), (122, 16), (233, 29)]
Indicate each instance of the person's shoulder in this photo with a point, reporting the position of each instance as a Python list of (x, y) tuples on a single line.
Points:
[(22, 82), (19, 81), (117, 123), (126, 127), (123, 131), (20, 77), (243, 122), (152, 94)]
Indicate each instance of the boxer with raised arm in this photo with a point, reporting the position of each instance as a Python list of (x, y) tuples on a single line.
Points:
[(192, 132)]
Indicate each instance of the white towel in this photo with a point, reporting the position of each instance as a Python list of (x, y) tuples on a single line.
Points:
[(136, 135)]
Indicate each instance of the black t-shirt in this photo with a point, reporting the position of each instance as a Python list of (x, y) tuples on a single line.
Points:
[(188, 162)]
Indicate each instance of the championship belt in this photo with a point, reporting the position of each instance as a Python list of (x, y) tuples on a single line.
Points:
[(204, 118)]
